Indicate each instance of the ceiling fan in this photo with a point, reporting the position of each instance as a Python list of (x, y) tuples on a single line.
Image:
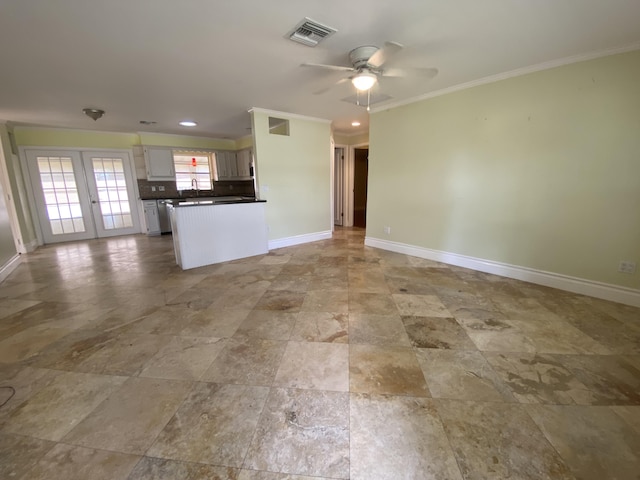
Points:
[(368, 64)]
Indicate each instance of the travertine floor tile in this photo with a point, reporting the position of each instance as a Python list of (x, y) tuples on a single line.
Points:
[(214, 425), (317, 366), (394, 329), (126, 354), (77, 463), (594, 442), (493, 440), (19, 454), (281, 301), (272, 325), (421, 305), (372, 329), (183, 358), (321, 327), (215, 322), (163, 469), (611, 380), (461, 375), (326, 301), (17, 388), (57, 408), (631, 414), (437, 332), (246, 361), (539, 378), (131, 417), (303, 432), (385, 370), (377, 303), (398, 437)]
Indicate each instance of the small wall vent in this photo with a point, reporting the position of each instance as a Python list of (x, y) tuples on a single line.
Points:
[(309, 32)]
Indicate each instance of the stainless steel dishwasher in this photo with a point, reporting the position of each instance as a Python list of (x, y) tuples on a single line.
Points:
[(163, 216)]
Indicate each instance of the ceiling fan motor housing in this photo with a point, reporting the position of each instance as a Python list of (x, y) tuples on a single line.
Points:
[(360, 56)]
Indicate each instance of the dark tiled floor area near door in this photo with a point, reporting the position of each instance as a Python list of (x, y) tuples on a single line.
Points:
[(328, 360)]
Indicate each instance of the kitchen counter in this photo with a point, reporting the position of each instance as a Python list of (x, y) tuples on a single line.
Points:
[(215, 230), (214, 201)]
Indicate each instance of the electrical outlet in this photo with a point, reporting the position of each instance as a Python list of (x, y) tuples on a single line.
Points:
[(153, 189), (627, 266), (161, 188), (387, 230)]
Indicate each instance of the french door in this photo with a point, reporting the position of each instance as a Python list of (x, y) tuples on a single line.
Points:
[(82, 195)]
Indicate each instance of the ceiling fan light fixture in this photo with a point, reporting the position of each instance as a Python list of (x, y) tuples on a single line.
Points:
[(363, 81)]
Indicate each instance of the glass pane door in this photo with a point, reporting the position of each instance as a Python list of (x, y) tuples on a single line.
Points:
[(110, 180), (82, 195), (61, 196)]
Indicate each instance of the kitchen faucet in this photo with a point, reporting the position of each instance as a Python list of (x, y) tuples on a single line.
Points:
[(194, 185)]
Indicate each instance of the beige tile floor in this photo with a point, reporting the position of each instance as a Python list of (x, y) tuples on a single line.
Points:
[(323, 360)]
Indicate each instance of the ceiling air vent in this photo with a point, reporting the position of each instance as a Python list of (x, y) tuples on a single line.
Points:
[(309, 32)]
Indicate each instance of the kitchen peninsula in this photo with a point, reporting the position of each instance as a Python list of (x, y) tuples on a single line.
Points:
[(214, 230)]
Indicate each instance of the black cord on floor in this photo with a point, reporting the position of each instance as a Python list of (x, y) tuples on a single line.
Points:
[(13, 392)]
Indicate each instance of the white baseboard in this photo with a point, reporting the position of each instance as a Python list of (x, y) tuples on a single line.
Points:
[(9, 267), (298, 239), (31, 246), (614, 293)]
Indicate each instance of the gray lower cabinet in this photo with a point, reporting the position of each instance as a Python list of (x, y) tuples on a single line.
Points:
[(151, 217)]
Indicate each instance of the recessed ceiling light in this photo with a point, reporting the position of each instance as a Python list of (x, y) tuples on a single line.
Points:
[(355, 124), (188, 123)]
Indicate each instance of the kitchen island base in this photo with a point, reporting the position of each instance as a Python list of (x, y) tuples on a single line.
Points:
[(204, 234)]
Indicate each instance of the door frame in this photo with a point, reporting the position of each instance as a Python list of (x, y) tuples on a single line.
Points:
[(29, 184), (350, 167)]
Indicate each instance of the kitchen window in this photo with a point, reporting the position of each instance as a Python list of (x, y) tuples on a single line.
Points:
[(194, 170)]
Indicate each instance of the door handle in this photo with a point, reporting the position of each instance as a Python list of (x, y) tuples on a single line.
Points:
[(93, 201)]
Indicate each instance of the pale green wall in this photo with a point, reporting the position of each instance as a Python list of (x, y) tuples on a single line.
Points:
[(244, 142), (539, 171), (7, 245), (359, 139), (186, 141), (17, 186), (296, 169), (59, 137)]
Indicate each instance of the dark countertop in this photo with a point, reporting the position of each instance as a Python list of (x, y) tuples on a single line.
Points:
[(203, 201)]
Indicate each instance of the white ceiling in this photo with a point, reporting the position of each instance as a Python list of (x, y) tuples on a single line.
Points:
[(212, 60)]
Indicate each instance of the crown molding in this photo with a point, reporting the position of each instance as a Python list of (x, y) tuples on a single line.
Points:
[(511, 74)]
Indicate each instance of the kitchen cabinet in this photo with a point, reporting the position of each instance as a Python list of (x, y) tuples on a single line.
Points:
[(151, 217), (159, 163), (244, 160), (226, 165), (234, 164)]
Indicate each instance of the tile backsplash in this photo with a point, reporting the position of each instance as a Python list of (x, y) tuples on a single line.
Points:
[(220, 189)]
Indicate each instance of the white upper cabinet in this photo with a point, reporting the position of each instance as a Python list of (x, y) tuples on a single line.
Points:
[(226, 164), (159, 163), (244, 159)]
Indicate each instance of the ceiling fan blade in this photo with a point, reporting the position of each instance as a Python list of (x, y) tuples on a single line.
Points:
[(337, 68), (424, 73), (383, 55), (326, 89)]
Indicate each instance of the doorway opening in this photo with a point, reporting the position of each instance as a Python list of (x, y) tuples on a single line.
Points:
[(339, 186), (360, 174)]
